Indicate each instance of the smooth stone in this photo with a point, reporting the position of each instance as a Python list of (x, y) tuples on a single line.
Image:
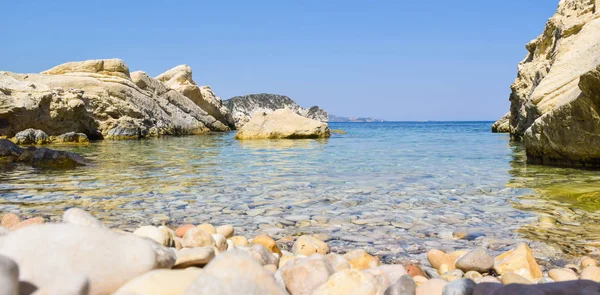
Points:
[(9, 276), (390, 272), (405, 285), (437, 258), (591, 273), (235, 272), (338, 262), (80, 217), (518, 261), (490, 289), (452, 275), (573, 267), (478, 259), (473, 275), (432, 287), (27, 222), (199, 256), (304, 275), (161, 282), (562, 274), (239, 241), (263, 255), (267, 242), (220, 242), (585, 262), (207, 227), (360, 259), (46, 251), (487, 279), (195, 237), (9, 220), (307, 245), (419, 280), (285, 257), (545, 280), (459, 287), (226, 230), (182, 230), (230, 245), (4, 231), (349, 282), (414, 270), (430, 272), (560, 288), (153, 233), (513, 278), (170, 235), (71, 284)]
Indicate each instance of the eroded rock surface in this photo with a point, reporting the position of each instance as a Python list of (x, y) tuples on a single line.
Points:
[(282, 124)]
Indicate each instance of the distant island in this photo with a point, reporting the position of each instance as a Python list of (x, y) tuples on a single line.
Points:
[(334, 118)]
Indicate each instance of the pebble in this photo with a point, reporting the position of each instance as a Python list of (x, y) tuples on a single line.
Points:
[(432, 287), (195, 237), (586, 261), (27, 222), (152, 233), (459, 287), (519, 261), (405, 285), (513, 278), (453, 275), (239, 241), (81, 217), (220, 242), (9, 220), (182, 230), (591, 272), (235, 272), (207, 227), (307, 245), (488, 279), (360, 259), (161, 282), (478, 260), (472, 275), (263, 255), (9, 276), (389, 272), (348, 282), (438, 258), (419, 280), (414, 270), (267, 242), (198, 256), (304, 275), (562, 274), (226, 230)]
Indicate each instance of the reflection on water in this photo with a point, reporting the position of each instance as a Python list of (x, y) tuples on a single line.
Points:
[(395, 189), (567, 201)]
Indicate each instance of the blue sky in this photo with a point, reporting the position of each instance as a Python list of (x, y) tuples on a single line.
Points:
[(396, 60)]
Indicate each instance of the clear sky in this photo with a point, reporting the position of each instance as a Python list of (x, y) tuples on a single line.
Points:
[(391, 59)]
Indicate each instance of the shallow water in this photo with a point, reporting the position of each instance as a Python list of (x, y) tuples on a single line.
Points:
[(396, 189)]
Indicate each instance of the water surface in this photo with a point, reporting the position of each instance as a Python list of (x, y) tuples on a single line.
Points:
[(396, 189)]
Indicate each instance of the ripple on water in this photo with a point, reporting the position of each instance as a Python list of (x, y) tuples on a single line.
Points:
[(396, 189)]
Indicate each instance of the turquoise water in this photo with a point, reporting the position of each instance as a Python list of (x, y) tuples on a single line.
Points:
[(396, 189)]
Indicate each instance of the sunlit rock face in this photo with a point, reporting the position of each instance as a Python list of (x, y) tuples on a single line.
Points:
[(101, 99), (244, 107), (554, 88)]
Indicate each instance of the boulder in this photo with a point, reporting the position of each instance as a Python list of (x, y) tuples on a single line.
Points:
[(108, 259), (502, 125), (234, 272), (31, 136), (71, 137), (478, 259), (282, 124), (47, 158), (9, 152), (245, 107)]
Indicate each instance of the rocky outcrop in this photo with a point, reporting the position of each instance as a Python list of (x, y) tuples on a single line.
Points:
[(551, 104), (101, 99), (244, 107), (180, 79), (502, 125), (282, 124), (38, 157)]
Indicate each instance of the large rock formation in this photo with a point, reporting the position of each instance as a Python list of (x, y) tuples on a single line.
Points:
[(282, 124), (553, 100), (244, 107), (103, 100)]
